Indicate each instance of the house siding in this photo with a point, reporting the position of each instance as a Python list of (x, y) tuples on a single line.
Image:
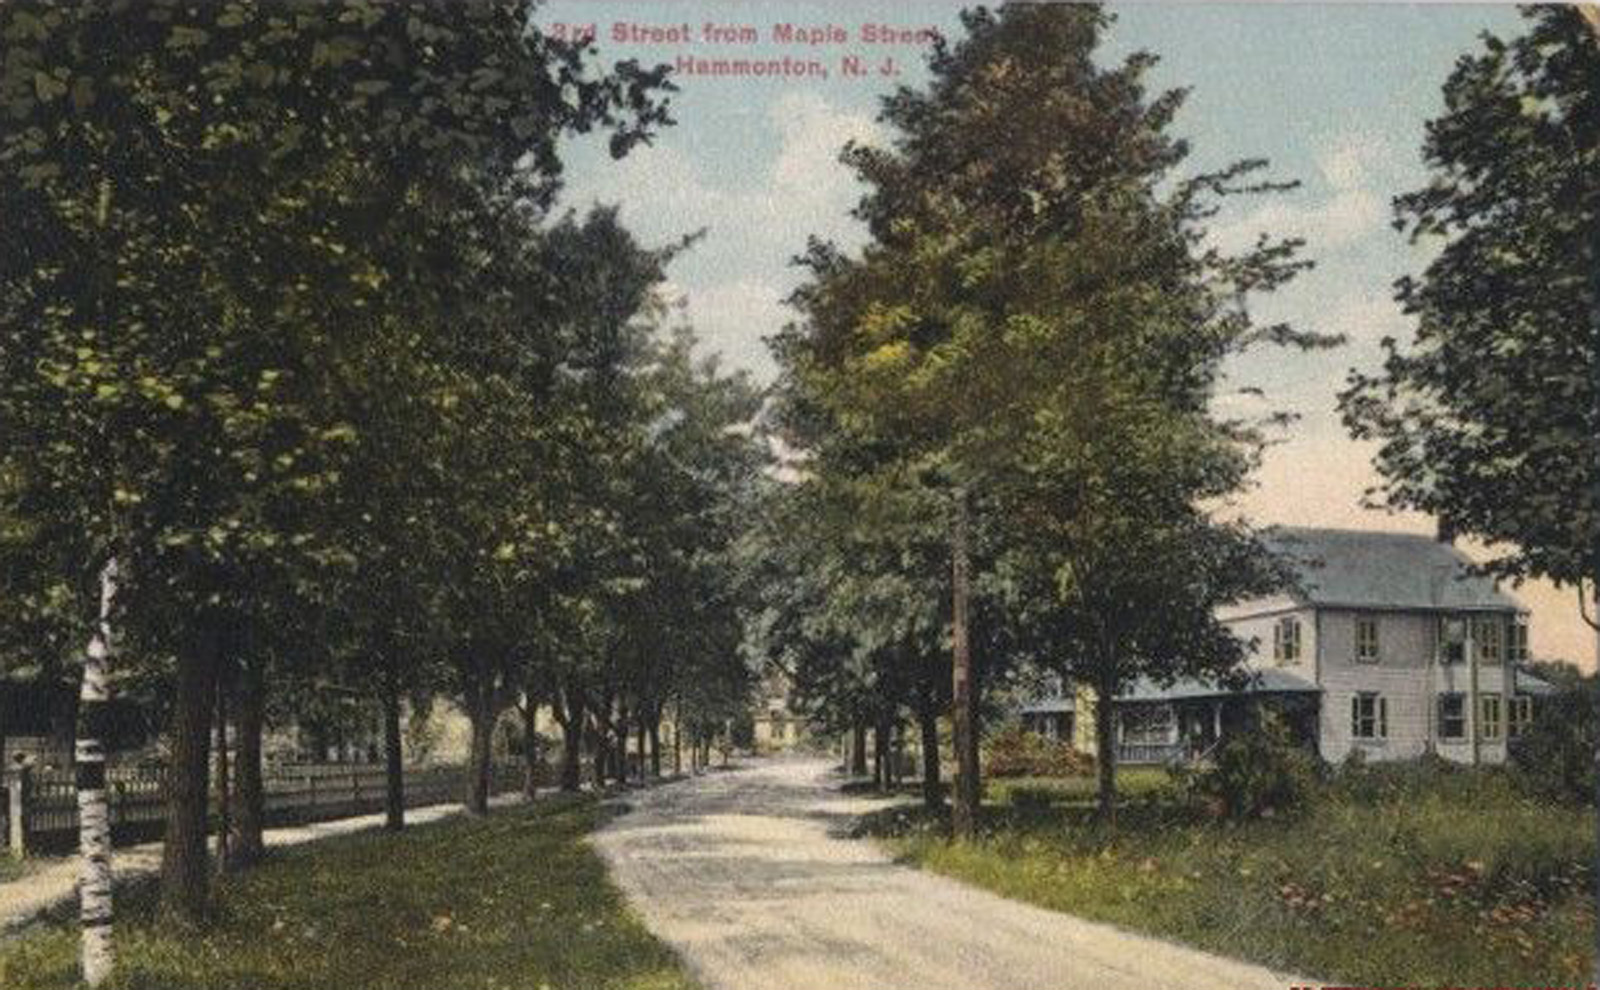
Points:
[(1407, 676)]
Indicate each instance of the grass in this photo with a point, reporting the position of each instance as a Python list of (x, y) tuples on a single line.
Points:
[(1394, 878), (517, 901), (15, 869)]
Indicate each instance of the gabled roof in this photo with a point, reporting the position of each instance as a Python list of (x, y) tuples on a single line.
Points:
[(1366, 569)]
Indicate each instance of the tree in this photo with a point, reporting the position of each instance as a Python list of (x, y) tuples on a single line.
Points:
[(1038, 326), (1497, 393), (166, 367), (1490, 417)]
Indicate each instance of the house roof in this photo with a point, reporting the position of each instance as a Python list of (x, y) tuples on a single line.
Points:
[(1366, 569), (1047, 706), (1267, 681)]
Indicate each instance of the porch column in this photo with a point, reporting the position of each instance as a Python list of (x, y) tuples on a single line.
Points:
[(1216, 720)]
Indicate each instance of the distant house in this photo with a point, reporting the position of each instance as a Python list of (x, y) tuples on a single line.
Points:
[(1389, 646)]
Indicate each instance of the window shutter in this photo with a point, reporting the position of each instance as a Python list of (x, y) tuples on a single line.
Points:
[(1355, 715), (1383, 718), (1277, 640)]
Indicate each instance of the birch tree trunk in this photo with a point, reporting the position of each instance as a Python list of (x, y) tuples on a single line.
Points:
[(94, 813)]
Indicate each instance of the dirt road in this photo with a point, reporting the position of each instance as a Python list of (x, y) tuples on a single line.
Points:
[(746, 873)]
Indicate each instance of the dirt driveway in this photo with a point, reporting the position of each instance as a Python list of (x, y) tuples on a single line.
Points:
[(747, 875)]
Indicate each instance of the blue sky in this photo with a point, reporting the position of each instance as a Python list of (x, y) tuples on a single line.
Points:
[(1335, 95)]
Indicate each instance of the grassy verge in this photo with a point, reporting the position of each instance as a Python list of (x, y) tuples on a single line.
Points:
[(16, 869), (1449, 881), (518, 901)]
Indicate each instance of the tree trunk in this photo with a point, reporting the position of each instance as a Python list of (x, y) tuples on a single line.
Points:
[(932, 791), (964, 701), (655, 744), (677, 740), (572, 751), (249, 844), (858, 750), (880, 759), (479, 766), (1105, 725), (532, 759), (185, 883), (224, 817), (394, 762), (642, 738), (602, 754), (94, 813)]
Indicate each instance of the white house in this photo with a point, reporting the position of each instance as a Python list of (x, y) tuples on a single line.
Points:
[(1389, 645)]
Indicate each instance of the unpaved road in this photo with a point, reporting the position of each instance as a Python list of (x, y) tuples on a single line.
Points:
[(746, 875)]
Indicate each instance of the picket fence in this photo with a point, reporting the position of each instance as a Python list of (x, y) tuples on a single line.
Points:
[(291, 792)]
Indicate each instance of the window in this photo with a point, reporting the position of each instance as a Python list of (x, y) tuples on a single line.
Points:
[(1517, 640), (1452, 640), (1452, 716), (1486, 634), (1369, 716), (1489, 716), (1286, 640), (1521, 714), (1147, 725), (1367, 639)]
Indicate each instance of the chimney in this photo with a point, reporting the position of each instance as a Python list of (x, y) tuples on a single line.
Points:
[(1447, 529)]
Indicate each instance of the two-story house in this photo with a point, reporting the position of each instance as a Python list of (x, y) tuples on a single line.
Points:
[(1388, 645), (1412, 650)]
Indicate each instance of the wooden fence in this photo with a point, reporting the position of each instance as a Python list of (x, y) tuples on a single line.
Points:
[(292, 793)]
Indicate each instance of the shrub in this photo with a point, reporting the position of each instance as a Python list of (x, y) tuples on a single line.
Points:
[(1555, 755), (1015, 752), (1258, 774)]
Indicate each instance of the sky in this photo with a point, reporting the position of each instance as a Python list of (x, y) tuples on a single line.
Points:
[(1335, 96)]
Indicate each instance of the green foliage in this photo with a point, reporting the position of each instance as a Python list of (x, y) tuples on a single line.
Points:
[(1555, 755), (1260, 773), (1035, 327), (519, 900), (1497, 392), (1015, 752)]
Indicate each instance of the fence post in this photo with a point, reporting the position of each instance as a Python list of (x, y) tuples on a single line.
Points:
[(311, 788), (355, 791), (17, 812)]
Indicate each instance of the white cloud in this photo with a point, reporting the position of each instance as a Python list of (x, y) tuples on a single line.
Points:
[(752, 230), (1353, 168), (731, 318)]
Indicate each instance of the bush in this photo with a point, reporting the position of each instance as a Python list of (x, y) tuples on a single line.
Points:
[(1015, 752), (1257, 774), (1555, 755)]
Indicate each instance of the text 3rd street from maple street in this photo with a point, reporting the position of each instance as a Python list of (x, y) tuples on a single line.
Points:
[(784, 50)]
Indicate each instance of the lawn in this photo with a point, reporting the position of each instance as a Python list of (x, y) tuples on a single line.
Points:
[(518, 900), (1396, 877)]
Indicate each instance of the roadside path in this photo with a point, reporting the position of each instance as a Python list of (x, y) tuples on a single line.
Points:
[(747, 875), (46, 887)]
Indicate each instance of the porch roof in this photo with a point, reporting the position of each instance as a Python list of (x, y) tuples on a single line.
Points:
[(1529, 683), (1267, 681)]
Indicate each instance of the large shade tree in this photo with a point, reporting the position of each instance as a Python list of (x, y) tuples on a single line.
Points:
[(1039, 323)]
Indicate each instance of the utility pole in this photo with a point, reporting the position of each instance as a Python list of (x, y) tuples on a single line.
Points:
[(1590, 15), (964, 809)]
